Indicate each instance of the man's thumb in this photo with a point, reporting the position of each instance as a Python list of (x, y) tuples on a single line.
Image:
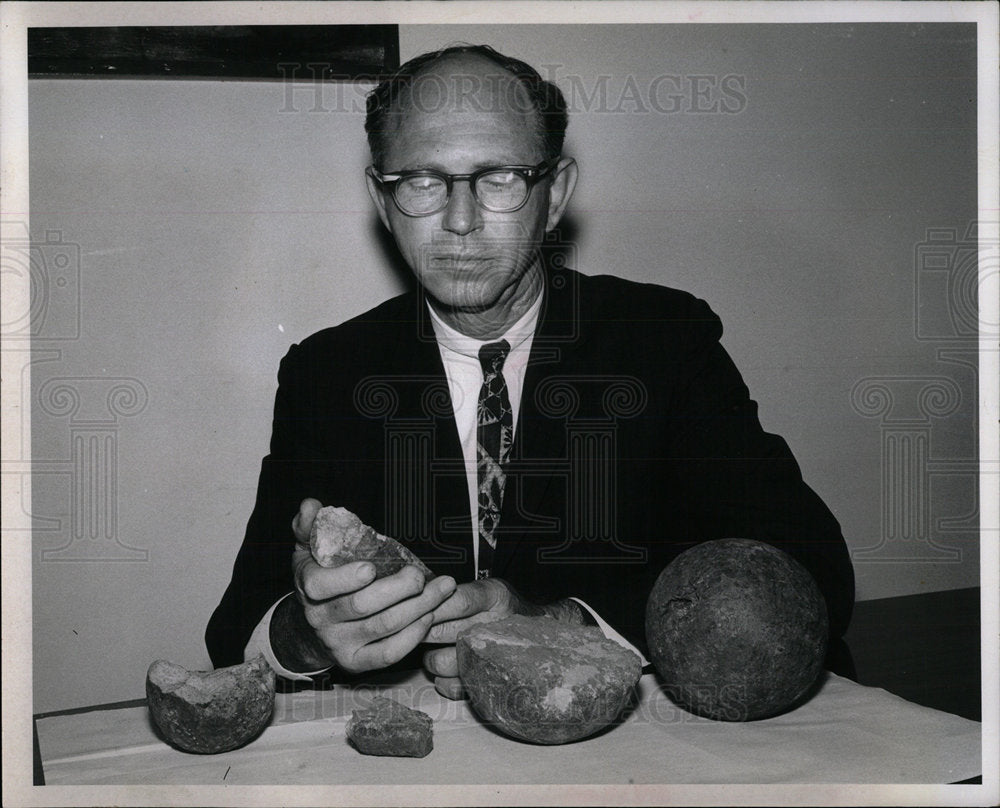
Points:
[(303, 521)]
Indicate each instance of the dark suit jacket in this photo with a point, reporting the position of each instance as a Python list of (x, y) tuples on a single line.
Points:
[(636, 439)]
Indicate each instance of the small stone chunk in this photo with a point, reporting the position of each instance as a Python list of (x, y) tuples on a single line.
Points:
[(338, 537), (545, 681), (388, 728)]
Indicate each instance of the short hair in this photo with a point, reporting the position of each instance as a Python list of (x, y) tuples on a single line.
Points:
[(545, 97)]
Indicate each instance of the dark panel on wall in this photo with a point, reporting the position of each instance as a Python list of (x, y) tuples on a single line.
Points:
[(305, 52)]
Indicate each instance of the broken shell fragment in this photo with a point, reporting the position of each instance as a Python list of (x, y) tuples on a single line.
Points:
[(210, 711)]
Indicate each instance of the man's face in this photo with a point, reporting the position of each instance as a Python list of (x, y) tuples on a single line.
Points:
[(469, 115)]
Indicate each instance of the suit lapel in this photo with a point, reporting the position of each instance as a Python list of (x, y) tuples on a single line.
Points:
[(441, 490)]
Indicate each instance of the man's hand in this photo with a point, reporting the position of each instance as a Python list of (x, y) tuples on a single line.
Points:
[(343, 617), (481, 602)]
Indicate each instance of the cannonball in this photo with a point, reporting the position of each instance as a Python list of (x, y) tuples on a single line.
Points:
[(737, 630), (210, 711)]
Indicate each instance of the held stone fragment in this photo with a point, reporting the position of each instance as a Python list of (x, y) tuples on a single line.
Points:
[(210, 711), (737, 630), (544, 681), (338, 537), (390, 729)]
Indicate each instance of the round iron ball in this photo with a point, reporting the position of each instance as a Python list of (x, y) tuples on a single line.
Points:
[(737, 630)]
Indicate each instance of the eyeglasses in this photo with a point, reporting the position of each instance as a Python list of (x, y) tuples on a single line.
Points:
[(500, 189)]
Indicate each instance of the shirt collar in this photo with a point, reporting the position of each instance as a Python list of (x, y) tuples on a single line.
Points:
[(458, 342)]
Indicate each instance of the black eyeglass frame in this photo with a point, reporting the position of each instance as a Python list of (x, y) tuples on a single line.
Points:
[(530, 174)]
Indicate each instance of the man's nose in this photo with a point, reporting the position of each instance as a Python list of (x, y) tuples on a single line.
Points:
[(462, 215)]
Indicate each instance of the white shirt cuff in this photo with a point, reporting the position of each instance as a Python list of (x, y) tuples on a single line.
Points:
[(260, 644), (611, 634)]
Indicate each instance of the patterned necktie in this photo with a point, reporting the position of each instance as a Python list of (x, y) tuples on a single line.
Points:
[(494, 434)]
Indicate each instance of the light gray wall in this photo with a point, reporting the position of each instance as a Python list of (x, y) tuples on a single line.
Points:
[(217, 222)]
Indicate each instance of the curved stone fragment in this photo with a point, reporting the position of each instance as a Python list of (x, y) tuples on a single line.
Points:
[(545, 681), (338, 537), (210, 711)]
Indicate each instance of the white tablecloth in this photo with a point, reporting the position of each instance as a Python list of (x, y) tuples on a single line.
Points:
[(845, 734)]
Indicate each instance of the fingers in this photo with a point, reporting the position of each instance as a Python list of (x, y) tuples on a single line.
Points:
[(385, 620), (442, 665), (442, 661), (364, 623), (448, 632), (385, 601), (381, 594), (391, 649), (449, 687), (380, 623), (476, 602), (303, 521), (319, 584), (387, 636), (469, 599)]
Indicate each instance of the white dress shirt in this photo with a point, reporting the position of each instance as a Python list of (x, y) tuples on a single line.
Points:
[(460, 356)]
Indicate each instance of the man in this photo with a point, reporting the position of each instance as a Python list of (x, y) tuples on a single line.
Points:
[(545, 441)]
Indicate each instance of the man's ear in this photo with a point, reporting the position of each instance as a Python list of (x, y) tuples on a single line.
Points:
[(378, 197), (561, 190)]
